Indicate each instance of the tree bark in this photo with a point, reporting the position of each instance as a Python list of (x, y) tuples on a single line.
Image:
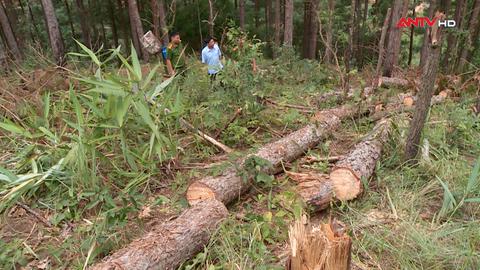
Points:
[(54, 34), (211, 18), (312, 35), (70, 20), (155, 17), (137, 29), (412, 32), (381, 46), (9, 35), (306, 27), (163, 22), (268, 22), (424, 50), (170, 244), (112, 8), (84, 23), (241, 14), (278, 26), (329, 34), (429, 75), (359, 163), (288, 32), (394, 37), (228, 186), (472, 38), (33, 22), (452, 39)]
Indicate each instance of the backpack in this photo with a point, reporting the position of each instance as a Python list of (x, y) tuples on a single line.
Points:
[(164, 53)]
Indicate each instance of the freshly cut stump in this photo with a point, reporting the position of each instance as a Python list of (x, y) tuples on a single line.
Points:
[(168, 245), (228, 186), (324, 247), (359, 163)]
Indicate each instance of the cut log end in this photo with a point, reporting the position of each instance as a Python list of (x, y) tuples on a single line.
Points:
[(408, 101), (198, 192), (345, 184)]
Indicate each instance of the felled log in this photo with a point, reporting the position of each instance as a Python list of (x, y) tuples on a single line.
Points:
[(168, 245), (228, 186), (359, 163), (393, 82), (324, 247)]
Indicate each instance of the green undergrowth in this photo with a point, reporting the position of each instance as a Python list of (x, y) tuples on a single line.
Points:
[(95, 157)]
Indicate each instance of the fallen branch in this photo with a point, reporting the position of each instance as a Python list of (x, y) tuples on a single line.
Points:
[(237, 113), (211, 140), (35, 214), (298, 107), (168, 245)]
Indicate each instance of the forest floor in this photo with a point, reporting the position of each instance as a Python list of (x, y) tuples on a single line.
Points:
[(119, 185)]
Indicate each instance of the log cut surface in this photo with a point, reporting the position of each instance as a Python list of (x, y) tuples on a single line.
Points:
[(359, 163), (168, 245)]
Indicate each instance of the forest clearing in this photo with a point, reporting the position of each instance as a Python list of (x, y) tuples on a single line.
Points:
[(266, 134)]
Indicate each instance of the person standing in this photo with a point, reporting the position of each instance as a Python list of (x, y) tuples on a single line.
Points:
[(211, 56), (175, 58)]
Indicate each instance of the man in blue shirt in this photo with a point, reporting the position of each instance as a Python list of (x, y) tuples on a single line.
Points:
[(211, 56)]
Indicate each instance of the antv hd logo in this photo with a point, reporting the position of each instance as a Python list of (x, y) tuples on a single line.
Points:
[(424, 21)]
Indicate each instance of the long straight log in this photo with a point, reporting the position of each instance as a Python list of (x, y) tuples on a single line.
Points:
[(228, 186), (168, 245), (359, 163)]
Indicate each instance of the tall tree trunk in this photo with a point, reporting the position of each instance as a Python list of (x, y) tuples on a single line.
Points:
[(452, 39), (84, 23), (329, 34), (257, 10), (426, 91), (111, 7), (356, 31), (70, 21), (424, 50), (241, 14), (278, 24), (349, 50), (211, 18), (394, 37), (472, 38), (412, 31), (137, 29), (124, 23), (163, 22), (313, 31), (362, 34), (54, 34), (155, 17), (306, 27), (13, 19), (33, 22), (268, 22), (9, 36), (381, 46), (288, 31)]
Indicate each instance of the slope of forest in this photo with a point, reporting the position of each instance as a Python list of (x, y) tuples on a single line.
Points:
[(102, 154)]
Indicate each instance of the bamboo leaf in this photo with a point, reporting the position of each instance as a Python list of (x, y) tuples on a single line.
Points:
[(89, 52), (136, 64), (474, 178), (15, 129)]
